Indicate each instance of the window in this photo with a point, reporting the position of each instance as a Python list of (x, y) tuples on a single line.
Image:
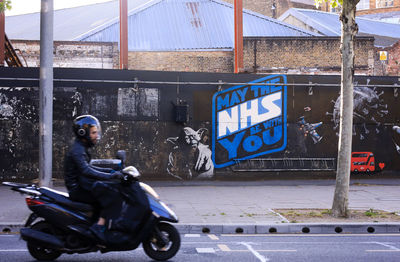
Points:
[(360, 155), (363, 4), (384, 3)]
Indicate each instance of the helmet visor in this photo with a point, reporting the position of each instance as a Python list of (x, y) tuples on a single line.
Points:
[(96, 124)]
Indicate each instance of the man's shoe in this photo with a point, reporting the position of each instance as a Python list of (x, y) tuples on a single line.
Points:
[(98, 231)]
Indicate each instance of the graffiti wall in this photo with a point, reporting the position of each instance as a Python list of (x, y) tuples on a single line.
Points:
[(184, 126)]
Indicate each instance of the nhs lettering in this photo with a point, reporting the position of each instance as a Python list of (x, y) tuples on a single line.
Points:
[(249, 121)]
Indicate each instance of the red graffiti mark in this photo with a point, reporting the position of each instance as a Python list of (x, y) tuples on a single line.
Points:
[(381, 165), (195, 20)]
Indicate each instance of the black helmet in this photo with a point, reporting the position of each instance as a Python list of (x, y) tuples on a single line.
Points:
[(82, 125)]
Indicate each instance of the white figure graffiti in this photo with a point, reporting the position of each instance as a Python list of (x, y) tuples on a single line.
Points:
[(368, 107), (396, 138), (193, 147)]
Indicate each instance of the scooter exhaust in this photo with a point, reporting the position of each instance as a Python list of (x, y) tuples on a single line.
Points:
[(43, 239)]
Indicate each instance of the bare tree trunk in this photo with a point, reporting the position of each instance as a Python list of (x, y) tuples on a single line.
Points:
[(349, 30)]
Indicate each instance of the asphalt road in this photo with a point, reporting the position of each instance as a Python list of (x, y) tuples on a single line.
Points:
[(258, 248)]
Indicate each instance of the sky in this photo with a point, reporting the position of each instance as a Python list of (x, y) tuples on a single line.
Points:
[(33, 6)]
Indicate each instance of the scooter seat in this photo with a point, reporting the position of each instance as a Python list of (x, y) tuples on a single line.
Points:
[(62, 199)]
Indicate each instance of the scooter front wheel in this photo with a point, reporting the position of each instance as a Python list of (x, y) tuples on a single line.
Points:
[(162, 252), (39, 252)]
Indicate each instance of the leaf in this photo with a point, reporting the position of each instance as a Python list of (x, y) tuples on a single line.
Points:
[(6, 4), (317, 3)]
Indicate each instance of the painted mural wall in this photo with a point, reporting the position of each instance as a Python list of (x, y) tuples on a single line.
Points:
[(258, 124)]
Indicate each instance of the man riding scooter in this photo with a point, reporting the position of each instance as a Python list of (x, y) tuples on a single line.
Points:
[(85, 182)]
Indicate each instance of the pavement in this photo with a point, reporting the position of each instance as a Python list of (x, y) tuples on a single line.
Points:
[(248, 207)]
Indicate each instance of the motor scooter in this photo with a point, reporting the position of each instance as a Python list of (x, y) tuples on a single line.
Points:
[(60, 226)]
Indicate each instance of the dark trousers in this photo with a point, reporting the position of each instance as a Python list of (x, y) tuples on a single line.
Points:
[(103, 197), (109, 197)]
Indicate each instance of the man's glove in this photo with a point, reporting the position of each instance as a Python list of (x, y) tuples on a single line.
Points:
[(117, 175)]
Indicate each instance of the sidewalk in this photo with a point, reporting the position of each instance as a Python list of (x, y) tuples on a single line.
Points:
[(224, 207)]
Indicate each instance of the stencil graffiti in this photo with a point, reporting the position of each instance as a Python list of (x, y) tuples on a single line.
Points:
[(6, 106), (368, 107), (249, 121), (77, 103), (309, 129), (190, 148)]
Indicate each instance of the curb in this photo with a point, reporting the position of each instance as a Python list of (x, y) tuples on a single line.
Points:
[(291, 228), (287, 228)]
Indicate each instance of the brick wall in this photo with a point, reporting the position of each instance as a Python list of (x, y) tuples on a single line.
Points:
[(304, 55), (307, 55), (192, 61), (372, 8), (392, 65), (260, 6), (264, 6), (70, 54)]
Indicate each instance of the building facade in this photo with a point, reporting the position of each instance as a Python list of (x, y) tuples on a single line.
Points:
[(365, 7)]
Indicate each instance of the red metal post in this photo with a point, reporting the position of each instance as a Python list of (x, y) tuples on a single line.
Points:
[(123, 34), (2, 37), (238, 6)]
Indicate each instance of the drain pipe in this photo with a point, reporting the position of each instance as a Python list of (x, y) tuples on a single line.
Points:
[(2, 36), (123, 34), (238, 6)]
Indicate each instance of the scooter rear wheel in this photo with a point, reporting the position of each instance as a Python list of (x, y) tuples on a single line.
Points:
[(39, 252), (157, 252)]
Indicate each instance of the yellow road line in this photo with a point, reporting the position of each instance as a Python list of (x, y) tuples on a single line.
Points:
[(213, 237), (224, 248), (306, 235)]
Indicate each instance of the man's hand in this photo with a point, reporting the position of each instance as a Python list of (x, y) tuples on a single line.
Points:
[(117, 175)]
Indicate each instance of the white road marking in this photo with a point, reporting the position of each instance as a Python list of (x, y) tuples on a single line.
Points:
[(391, 248), (387, 250), (205, 250), (192, 235), (225, 248), (255, 253), (387, 245), (13, 250)]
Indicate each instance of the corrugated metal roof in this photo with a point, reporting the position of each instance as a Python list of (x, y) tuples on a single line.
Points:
[(162, 25), (69, 23), (390, 17), (329, 24)]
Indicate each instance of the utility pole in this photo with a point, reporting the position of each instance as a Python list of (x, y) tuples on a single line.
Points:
[(2, 37), (46, 94)]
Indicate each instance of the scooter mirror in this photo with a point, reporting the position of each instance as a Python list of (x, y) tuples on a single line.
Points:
[(121, 155)]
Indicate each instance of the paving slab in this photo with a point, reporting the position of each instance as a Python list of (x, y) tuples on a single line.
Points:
[(228, 207)]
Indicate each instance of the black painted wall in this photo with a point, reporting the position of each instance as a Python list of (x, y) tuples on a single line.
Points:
[(141, 120)]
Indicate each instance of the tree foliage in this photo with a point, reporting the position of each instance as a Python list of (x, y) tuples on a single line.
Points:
[(334, 3), (5, 5)]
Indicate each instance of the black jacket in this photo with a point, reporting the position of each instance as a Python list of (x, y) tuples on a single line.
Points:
[(78, 172)]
